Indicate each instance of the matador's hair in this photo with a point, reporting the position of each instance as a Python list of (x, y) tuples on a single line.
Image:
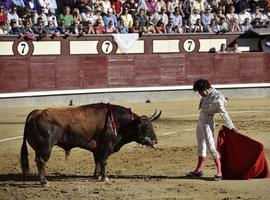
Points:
[(201, 84)]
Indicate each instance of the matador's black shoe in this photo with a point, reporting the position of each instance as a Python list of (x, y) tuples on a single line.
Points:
[(195, 174)]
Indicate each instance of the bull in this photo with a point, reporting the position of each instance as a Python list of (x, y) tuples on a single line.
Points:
[(100, 128)]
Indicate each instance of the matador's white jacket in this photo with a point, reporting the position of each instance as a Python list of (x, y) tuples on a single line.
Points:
[(210, 105)]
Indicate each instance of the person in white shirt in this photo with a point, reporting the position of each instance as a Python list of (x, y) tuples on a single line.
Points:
[(212, 102), (243, 15)]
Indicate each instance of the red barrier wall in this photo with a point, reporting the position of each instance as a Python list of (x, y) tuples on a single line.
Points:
[(54, 72)]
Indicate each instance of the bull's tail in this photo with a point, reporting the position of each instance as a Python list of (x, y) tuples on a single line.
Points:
[(24, 150)]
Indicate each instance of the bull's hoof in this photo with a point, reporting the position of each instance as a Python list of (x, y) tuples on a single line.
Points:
[(99, 178), (106, 179), (45, 184)]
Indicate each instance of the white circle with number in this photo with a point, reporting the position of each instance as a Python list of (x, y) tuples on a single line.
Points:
[(107, 47), (23, 48), (189, 45)]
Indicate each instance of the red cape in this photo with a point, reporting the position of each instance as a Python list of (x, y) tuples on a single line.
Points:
[(241, 156)]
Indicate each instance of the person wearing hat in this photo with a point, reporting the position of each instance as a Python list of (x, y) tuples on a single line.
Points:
[(110, 17), (14, 29)]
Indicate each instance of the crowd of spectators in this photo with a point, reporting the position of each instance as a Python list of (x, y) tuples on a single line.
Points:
[(82, 17)]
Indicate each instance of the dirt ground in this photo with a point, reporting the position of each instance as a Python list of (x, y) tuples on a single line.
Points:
[(138, 172)]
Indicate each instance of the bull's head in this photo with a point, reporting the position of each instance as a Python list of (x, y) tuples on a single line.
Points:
[(145, 132)]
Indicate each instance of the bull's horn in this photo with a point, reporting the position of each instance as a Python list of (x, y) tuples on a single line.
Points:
[(157, 116), (150, 142), (152, 116)]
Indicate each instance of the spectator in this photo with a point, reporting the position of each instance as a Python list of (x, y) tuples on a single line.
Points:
[(51, 29), (223, 48), (41, 13), (110, 17), (13, 15), (177, 20), (110, 28), (194, 17), (160, 4), (219, 14), (151, 27), (142, 19), (234, 26), (38, 27), (170, 28), (141, 5), (224, 27), (3, 16), (48, 4), (126, 18), (206, 18), (122, 28), (66, 16), (150, 4), (99, 28), (32, 5), (256, 3), (160, 27), (14, 29), (18, 3), (256, 14), (62, 29), (117, 7), (98, 15), (135, 28), (243, 15), (198, 5), (235, 48), (225, 5), (246, 26), (76, 28), (89, 28), (172, 4), (26, 29), (197, 27), (231, 15), (186, 26), (87, 15), (132, 6), (106, 5), (6, 4), (214, 27), (52, 17), (161, 16), (3, 28), (79, 17)]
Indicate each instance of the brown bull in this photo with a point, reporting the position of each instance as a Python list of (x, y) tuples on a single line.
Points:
[(100, 128)]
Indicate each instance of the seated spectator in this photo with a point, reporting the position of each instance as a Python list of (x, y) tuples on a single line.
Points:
[(132, 7), (6, 4), (170, 28), (160, 4), (51, 29), (234, 26), (243, 15), (198, 5), (76, 28), (186, 27), (14, 29), (142, 19), (87, 15), (160, 27), (177, 20), (151, 28), (256, 14), (117, 7), (122, 28), (219, 14), (225, 5), (27, 31), (246, 26), (161, 16), (38, 27), (194, 17), (135, 28), (52, 17), (3, 28), (150, 6), (172, 4), (107, 6), (126, 18), (235, 48), (231, 15), (48, 5), (110, 17), (110, 28), (28, 14), (62, 28), (214, 27), (99, 28), (197, 27), (32, 5), (66, 16), (223, 48), (224, 27), (88, 28), (3, 15), (41, 14), (206, 18), (12, 15), (79, 17), (98, 15), (257, 23)]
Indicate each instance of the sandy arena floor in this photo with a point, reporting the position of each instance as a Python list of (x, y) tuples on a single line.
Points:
[(138, 172)]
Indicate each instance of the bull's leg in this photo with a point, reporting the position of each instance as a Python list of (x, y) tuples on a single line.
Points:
[(103, 165), (41, 165), (97, 172), (67, 153)]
